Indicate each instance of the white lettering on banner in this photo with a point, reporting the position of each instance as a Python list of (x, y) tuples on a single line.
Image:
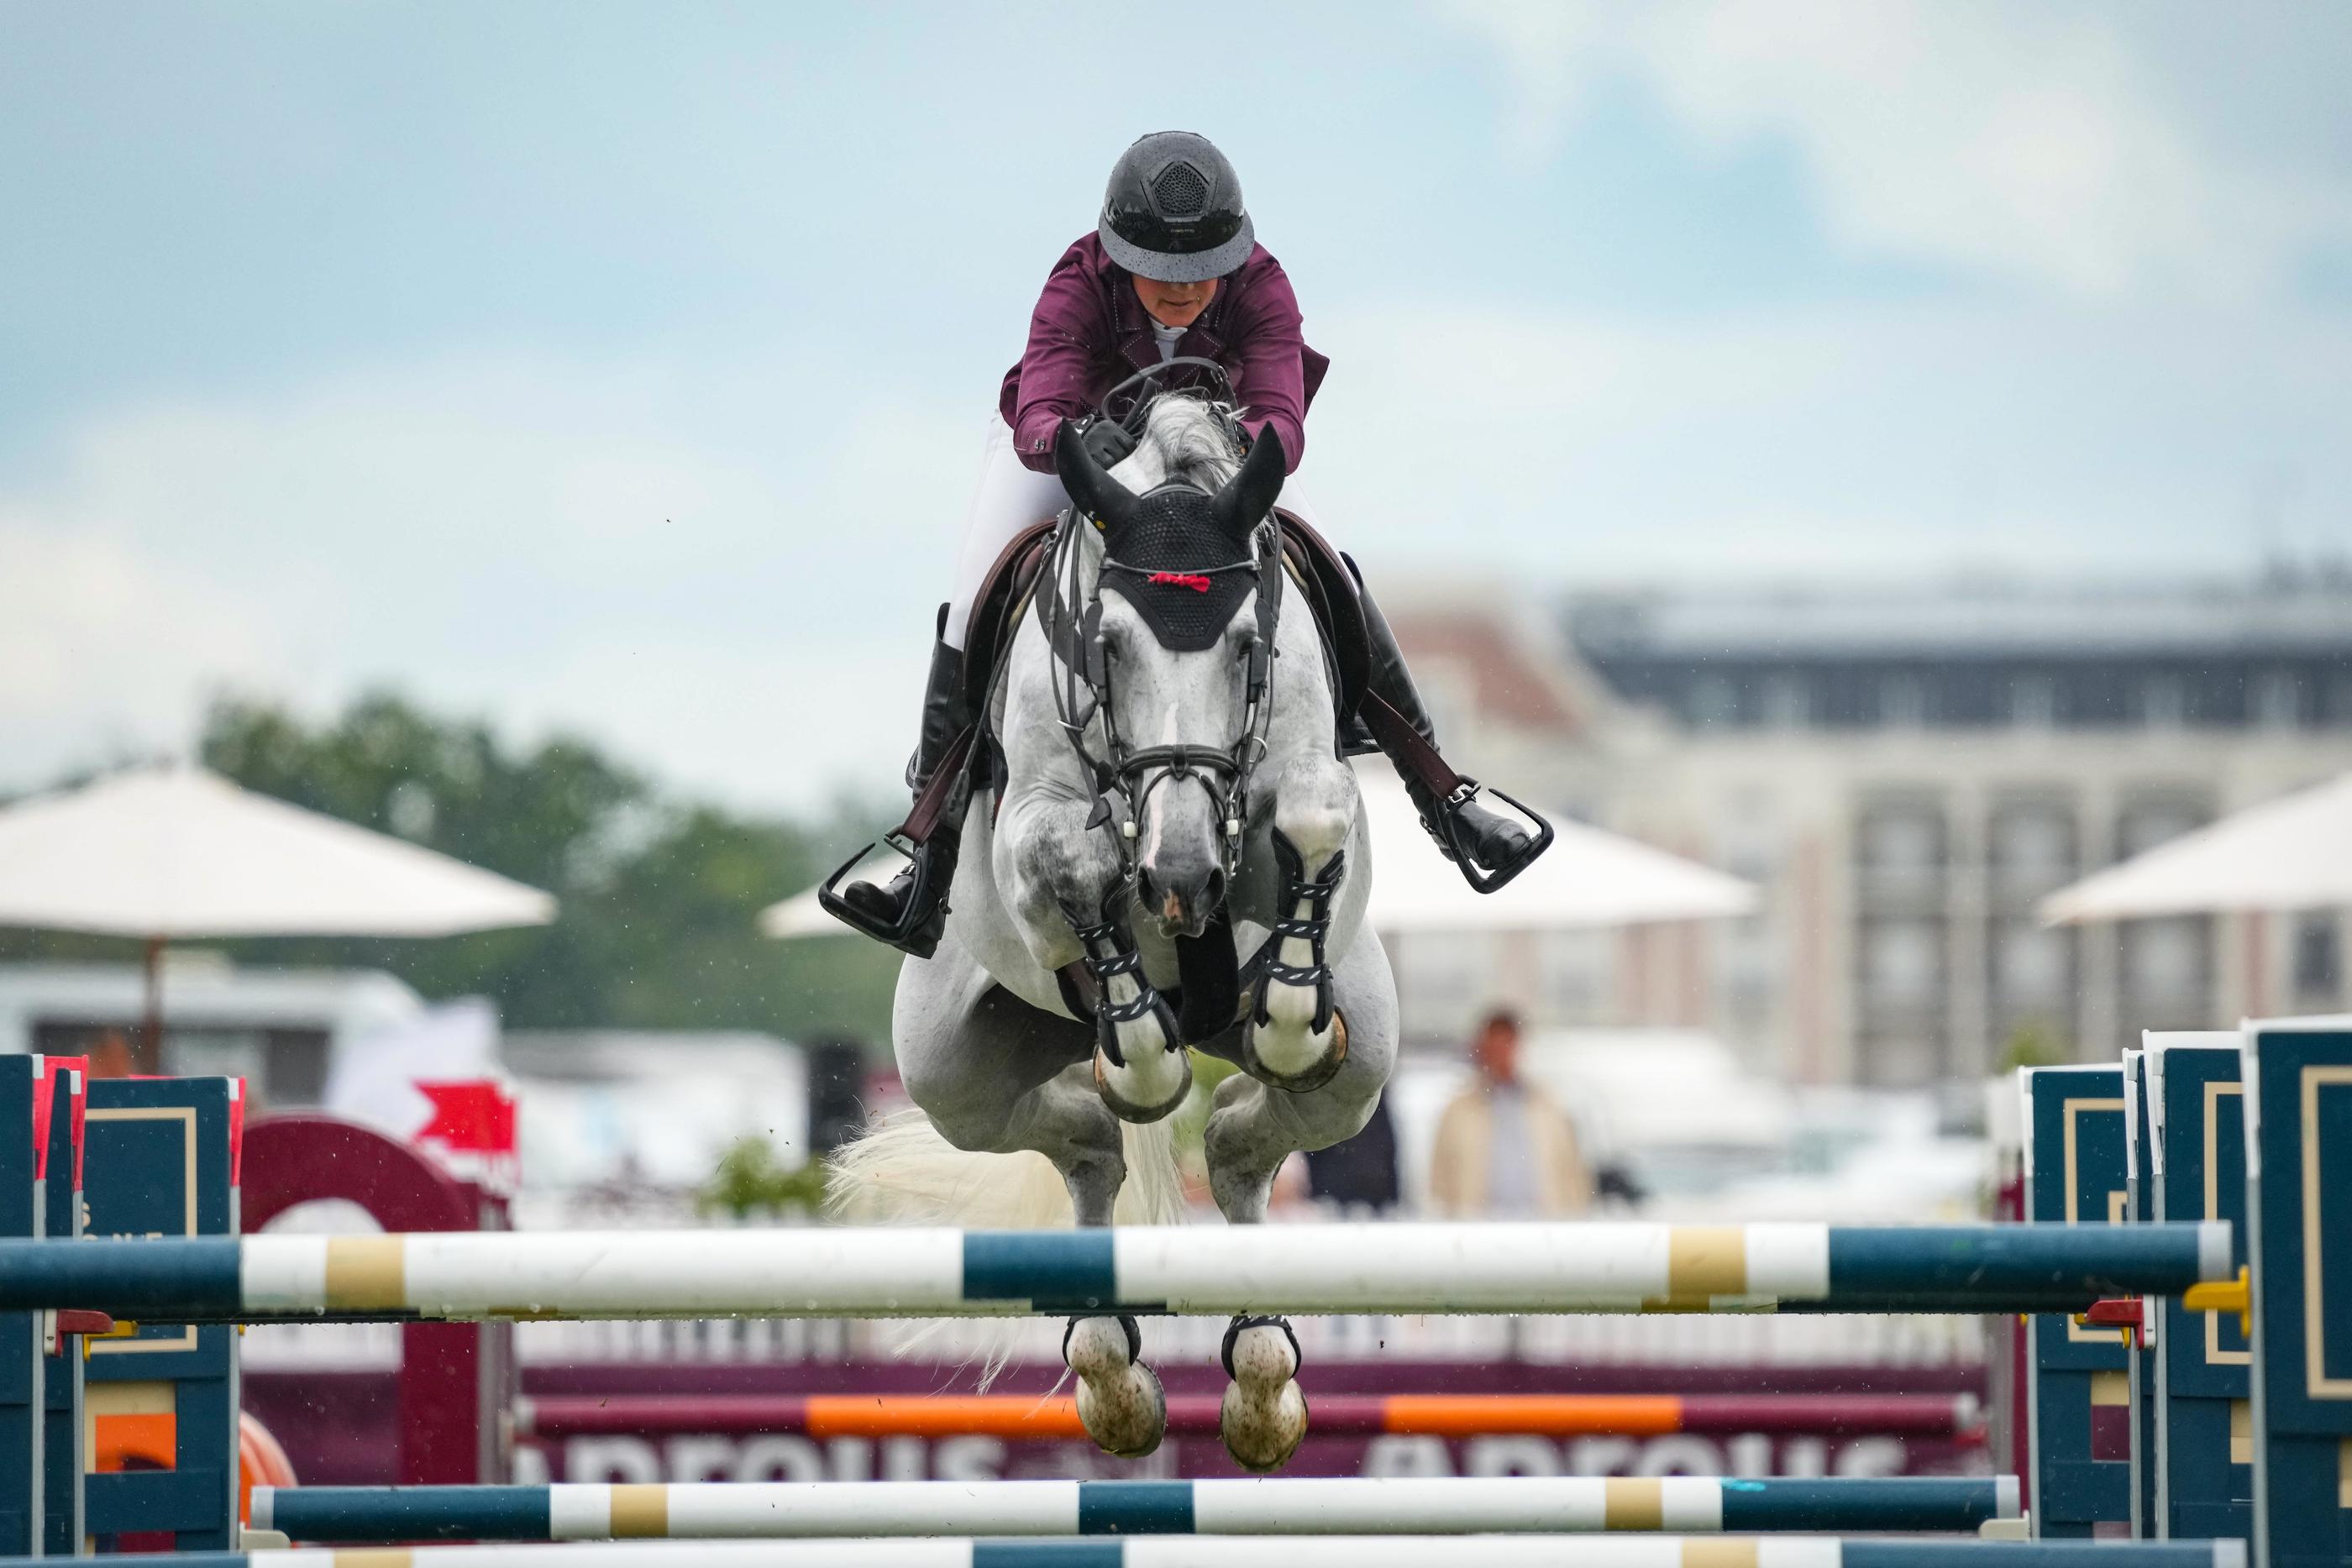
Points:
[(1872, 1457), (1510, 1456), (1423, 1458), (785, 1457), (969, 1459), (630, 1461), (1682, 1455), (778, 1457), (701, 1458)]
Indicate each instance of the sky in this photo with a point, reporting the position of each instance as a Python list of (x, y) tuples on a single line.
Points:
[(623, 369)]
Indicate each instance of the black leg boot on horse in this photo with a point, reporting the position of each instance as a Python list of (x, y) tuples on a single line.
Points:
[(1490, 848), (910, 910)]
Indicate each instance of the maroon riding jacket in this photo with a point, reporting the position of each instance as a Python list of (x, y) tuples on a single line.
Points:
[(1089, 332)]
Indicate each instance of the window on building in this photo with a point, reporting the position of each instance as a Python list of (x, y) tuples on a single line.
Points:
[(1788, 705), (1902, 702), (2168, 968), (2277, 701), (2163, 703), (2318, 958), (2031, 966), (2031, 848), (2144, 824), (2034, 702), (1902, 964), (1900, 846), (1713, 700)]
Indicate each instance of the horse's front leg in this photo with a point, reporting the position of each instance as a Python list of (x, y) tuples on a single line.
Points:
[(1295, 1037), (1073, 898)]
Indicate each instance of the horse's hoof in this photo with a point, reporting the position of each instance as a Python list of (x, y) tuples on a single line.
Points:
[(1135, 1095), (1264, 1417), (1119, 1399), (1314, 1075)]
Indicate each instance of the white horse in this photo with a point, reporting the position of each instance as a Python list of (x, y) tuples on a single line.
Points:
[(1041, 1022)]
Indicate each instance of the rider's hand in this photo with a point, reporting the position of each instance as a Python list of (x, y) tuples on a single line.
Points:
[(1107, 441)]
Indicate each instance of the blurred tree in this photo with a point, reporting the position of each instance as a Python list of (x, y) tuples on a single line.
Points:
[(2035, 1044), (656, 898), (749, 1180)]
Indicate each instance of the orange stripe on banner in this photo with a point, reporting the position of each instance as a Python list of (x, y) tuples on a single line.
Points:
[(1535, 1415), (945, 1416)]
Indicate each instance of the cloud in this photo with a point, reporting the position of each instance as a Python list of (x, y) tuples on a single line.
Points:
[(1901, 439), (2016, 140), (732, 589), (105, 651)]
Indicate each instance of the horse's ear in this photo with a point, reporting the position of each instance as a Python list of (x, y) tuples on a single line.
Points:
[(1095, 492), (1250, 493)]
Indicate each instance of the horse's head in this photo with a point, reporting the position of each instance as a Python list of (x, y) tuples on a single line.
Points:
[(1179, 650)]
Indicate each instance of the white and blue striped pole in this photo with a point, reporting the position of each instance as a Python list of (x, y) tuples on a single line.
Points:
[(1212, 1270), (1252, 1551), (1268, 1506)]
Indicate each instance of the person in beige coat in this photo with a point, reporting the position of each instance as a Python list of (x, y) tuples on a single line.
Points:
[(1504, 1148)]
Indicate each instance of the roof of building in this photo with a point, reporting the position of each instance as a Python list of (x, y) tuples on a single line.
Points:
[(1968, 619), (1513, 667)]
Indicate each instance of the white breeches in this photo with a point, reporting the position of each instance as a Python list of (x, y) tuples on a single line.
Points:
[(1007, 499)]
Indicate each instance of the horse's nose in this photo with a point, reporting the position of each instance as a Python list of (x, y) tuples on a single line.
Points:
[(1181, 898)]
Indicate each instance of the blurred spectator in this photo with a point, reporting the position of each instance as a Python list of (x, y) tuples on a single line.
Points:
[(1358, 1172), (1504, 1149)]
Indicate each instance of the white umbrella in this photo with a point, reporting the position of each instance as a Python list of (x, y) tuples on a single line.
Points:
[(1587, 879), (164, 853), (2294, 852)]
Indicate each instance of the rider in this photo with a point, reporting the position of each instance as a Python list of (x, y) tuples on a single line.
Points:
[(1172, 270)]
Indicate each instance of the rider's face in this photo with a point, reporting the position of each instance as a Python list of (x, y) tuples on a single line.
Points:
[(1175, 304)]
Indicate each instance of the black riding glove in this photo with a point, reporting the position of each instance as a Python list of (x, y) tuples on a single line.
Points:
[(1107, 441)]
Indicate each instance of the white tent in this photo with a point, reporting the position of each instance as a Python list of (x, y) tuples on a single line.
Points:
[(164, 854), (2291, 854), (1587, 879)]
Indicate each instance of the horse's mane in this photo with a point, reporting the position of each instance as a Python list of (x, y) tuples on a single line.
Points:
[(1185, 438)]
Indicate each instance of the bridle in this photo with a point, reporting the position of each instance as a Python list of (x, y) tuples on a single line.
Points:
[(1125, 777)]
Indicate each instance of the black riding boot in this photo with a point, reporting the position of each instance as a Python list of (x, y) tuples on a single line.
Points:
[(1501, 846), (946, 713)]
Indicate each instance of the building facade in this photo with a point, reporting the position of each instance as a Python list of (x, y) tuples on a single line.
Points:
[(1906, 772)]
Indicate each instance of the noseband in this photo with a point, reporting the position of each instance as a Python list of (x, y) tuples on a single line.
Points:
[(1126, 776)]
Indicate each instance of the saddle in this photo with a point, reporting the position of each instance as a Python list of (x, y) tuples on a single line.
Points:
[(1323, 577)]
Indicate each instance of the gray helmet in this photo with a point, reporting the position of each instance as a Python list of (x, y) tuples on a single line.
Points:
[(1173, 211)]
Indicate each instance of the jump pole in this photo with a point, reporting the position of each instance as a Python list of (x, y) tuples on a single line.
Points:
[(822, 1272), (1268, 1506), (1046, 1419), (1251, 1552)]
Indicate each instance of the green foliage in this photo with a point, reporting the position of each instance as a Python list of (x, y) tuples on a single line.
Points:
[(750, 1180), (656, 897), (2035, 1045)]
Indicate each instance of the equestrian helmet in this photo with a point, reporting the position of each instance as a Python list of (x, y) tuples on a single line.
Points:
[(1173, 211)]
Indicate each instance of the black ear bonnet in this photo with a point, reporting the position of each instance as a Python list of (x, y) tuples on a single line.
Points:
[(1180, 557)]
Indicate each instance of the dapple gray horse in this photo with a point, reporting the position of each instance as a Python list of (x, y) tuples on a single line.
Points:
[(1131, 845)]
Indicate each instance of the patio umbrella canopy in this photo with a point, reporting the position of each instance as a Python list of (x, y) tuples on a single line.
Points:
[(2294, 852), (164, 853), (1588, 879)]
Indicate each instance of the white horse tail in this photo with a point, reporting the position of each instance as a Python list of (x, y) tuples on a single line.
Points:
[(901, 1172)]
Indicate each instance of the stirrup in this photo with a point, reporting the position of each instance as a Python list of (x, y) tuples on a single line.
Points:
[(1454, 839), (920, 923)]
